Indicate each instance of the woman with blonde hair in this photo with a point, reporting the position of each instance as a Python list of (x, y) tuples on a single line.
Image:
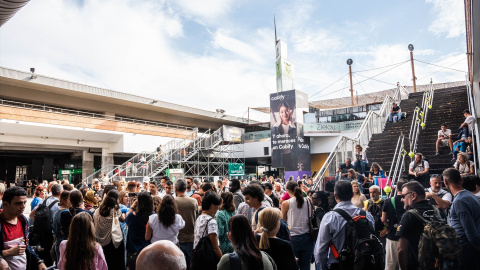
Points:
[(280, 251), (358, 198), (463, 164)]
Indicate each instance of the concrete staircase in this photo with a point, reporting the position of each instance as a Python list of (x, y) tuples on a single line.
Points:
[(447, 107)]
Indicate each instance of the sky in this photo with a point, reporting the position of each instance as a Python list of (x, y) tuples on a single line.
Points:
[(220, 54)]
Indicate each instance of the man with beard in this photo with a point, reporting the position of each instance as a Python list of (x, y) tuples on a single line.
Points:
[(411, 227), (436, 195)]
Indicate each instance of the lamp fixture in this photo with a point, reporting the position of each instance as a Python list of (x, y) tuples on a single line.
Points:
[(410, 47), (33, 76)]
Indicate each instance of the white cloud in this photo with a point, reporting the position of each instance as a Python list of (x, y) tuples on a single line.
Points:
[(204, 10), (450, 18)]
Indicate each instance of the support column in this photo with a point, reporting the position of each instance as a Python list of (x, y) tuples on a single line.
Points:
[(87, 164), (107, 161)]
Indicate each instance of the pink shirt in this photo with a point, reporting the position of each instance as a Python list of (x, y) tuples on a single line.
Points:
[(98, 263), (286, 196)]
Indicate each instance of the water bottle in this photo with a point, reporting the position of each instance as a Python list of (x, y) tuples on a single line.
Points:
[(395, 118)]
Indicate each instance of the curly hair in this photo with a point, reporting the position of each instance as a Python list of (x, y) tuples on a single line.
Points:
[(166, 212)]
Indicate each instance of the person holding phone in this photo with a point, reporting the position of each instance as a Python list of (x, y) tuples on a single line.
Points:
[(444, 139)]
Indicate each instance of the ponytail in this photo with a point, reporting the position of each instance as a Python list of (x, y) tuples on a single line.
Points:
[(297, 192), (264, 242), (269, 221), (299, 196)]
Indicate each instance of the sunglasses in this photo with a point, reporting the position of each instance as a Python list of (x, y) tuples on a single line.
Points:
[(405, 195)]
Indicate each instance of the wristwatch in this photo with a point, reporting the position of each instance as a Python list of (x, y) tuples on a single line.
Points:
[(40, 262)]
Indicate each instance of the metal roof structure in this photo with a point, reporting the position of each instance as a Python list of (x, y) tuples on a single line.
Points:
[(8, 8), (370, 98)]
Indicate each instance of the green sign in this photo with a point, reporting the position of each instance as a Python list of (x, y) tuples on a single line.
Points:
[(175, 174), (236, 169), (68, 172)]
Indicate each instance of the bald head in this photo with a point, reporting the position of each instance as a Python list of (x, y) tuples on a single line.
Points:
[(164, 254)]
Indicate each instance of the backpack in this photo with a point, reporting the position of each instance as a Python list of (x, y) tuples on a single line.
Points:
[(361, 249), (41, 231), (376, 210), (283, 233), (240, 196), (438, 247), (203, 256)]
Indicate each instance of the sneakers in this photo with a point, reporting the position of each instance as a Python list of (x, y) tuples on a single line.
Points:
[(437, 154), (451, 153)]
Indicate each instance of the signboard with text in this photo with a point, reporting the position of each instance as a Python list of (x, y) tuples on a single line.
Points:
[(236, 169), (290, 148)]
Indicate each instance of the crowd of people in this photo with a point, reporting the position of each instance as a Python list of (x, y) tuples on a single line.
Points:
[(255, 224), (270, 223)]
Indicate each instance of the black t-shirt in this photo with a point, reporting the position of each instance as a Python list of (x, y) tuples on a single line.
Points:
[(281, 252), (393, 216), (411, 227), (274, 198), (395, 109), (345, 168)]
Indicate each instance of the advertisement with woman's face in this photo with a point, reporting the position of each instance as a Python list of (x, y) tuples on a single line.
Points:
[(283, 130)]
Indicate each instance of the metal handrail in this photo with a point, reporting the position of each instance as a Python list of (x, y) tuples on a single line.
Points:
[(420, 117), (471, 106), (182, 151), (374, 123), (398, 162)]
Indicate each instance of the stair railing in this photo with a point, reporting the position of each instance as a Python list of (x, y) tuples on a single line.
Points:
[(374, 123), (182, 151), (111, 170), (398, 162), (476, 138), (420, 117), (343, 146)]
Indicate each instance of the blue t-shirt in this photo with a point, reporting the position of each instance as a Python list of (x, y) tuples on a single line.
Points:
[(136, 233), (36, 201), (465, 218)]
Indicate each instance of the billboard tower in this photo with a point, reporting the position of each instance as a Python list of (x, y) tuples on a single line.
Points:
[(285, 69), (290, 149)]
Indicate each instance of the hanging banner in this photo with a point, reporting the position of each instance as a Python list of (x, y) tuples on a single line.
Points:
[(290, 148)]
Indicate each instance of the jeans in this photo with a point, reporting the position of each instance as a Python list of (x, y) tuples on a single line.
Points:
[(303, 250), (399, 116), (187, 249), (362, 164)]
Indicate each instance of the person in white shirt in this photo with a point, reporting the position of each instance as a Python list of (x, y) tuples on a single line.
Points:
[(436, 195), (469, 121), (444, 139), (166, 223)]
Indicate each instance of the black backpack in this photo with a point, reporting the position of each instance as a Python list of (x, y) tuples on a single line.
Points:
[(41, 231), (203, 255), (375, 210), (361, 249)]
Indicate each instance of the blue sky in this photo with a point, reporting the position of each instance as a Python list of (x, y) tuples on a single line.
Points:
[(214, 54)]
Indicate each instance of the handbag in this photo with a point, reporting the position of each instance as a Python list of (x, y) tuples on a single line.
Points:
[(313, 224), (203, 256), (117, 233)]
